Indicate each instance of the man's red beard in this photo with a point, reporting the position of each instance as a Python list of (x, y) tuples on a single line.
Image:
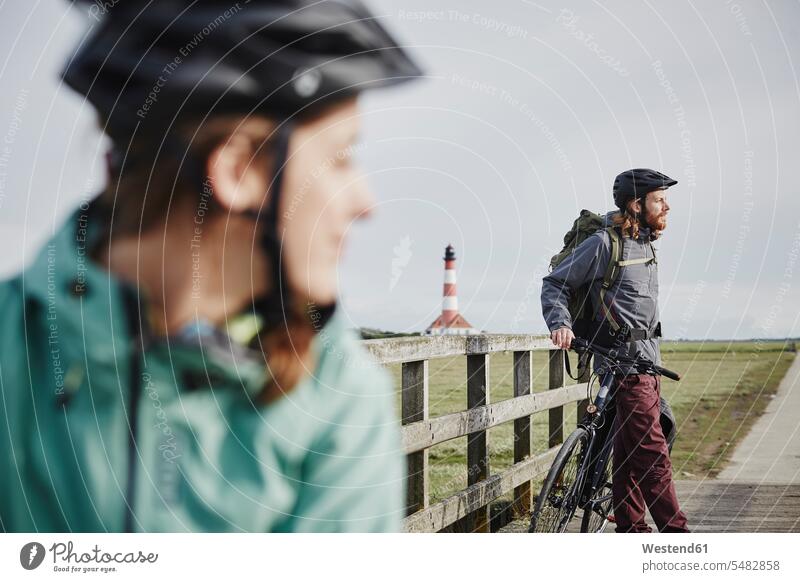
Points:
[(656, 223)]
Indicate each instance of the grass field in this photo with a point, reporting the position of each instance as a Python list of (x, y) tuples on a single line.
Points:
[(725, 387)]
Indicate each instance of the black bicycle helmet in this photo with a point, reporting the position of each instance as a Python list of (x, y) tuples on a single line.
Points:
[(151, 62), (637, 183)]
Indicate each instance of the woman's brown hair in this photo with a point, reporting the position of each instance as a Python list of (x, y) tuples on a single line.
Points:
[(153, 178)]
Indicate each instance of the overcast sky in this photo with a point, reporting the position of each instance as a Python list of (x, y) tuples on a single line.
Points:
[(527, 113)]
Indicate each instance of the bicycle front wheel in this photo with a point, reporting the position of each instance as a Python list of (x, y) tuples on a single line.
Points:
[(558, 500)]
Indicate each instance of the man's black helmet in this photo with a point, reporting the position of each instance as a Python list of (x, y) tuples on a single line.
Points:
[(638, 182), (150, 60)]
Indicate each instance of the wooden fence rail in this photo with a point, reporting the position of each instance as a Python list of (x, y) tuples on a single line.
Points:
[(420, 432)]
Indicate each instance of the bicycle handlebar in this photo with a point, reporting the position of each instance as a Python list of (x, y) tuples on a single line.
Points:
[(582, 345), (668, 373)]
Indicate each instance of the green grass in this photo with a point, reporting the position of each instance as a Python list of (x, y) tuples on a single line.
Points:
[(725, 387), (668, 347), (720, 397)]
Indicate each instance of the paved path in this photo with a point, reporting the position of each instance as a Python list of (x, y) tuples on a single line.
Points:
[(718, 506), (770, 453)]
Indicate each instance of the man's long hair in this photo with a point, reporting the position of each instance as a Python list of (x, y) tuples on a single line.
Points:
[(627, 222)]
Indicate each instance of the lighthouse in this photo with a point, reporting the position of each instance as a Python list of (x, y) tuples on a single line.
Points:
[(450, 322)]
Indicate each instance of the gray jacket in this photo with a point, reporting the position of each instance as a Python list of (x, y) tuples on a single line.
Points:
[(632, 299)]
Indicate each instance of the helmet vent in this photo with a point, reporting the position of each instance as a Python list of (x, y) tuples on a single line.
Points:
[(306, 82)]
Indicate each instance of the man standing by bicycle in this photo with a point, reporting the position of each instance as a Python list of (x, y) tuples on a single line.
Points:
[(626, 308)]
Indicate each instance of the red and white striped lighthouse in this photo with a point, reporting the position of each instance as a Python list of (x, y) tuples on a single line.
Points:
[(450, 322)]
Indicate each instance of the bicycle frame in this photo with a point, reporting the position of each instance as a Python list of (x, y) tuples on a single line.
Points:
[(600, 427)]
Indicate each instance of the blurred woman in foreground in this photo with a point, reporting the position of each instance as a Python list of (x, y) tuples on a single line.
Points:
[(172, 361)]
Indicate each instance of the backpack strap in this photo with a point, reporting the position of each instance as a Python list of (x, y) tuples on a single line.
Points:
[(636, 261), (612, 272), (584, 360), (642, 260)]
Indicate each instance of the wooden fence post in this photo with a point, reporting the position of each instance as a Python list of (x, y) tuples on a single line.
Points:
[(477, 443), (556, 424), (522, 429), (415, 408)]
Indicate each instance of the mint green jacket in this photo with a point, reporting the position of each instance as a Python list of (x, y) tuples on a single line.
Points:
[(101, 430)]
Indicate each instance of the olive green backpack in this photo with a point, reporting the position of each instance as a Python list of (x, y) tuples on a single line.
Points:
[(580, 303)]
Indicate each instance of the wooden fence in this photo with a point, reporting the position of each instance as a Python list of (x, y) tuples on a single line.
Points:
[(420, 432)]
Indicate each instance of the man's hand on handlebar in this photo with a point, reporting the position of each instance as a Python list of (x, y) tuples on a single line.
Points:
[(562, 337), (565, 339)]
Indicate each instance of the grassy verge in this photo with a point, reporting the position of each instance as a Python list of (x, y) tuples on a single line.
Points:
[(725, 387), (723, 393)]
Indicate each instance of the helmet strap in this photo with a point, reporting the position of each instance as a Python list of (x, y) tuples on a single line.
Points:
[(274, 306), (641, 216)]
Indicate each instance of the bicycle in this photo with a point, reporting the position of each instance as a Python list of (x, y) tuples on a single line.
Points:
[(580, 476)]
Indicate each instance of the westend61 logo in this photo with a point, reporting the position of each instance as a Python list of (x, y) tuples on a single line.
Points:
[(66, 559)]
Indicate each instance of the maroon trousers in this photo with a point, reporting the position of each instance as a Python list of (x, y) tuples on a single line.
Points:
[(642, 468)]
